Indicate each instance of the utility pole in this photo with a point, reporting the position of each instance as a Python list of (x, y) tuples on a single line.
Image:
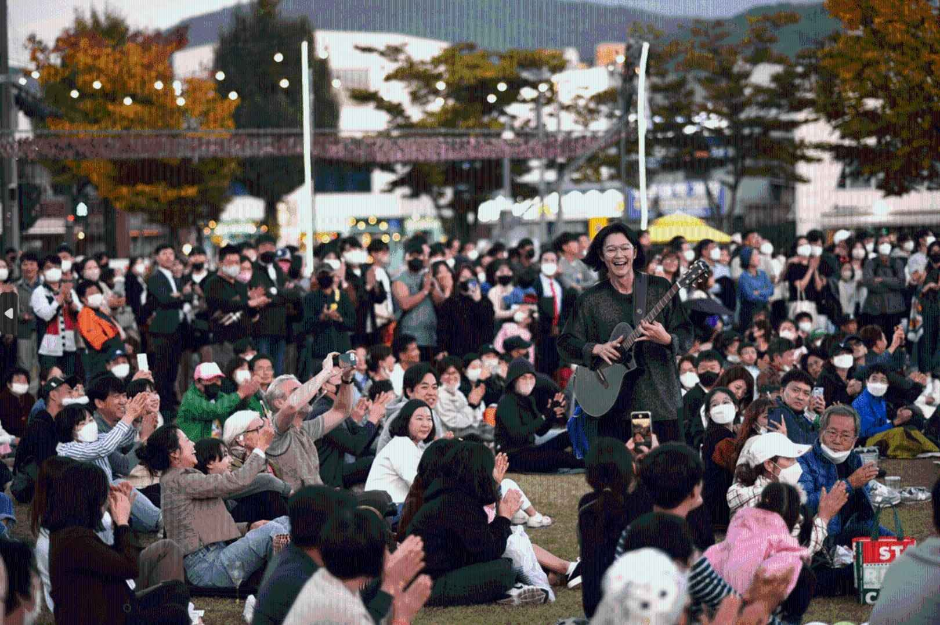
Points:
[(11, 213)]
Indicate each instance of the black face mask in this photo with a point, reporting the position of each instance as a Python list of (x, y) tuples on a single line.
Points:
[(935, 257), (212, 391), (415, 265), (267, 258), (325, 281), (530, 254), (504, 280), (464, 286), (198, 267), (708, 378)]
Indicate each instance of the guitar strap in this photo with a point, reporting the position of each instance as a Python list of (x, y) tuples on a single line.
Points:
[(639, 297)]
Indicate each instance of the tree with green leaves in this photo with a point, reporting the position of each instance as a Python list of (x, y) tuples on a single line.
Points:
[(748, 118), (259, 55), (452, 88), (100, 74), (878, 88)]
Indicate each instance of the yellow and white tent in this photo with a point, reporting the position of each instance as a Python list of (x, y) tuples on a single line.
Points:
[(679, 224)]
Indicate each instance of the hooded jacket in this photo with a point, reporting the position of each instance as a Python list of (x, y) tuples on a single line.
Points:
[(909, 590), (517, 418), (756, 538), (455, 529)]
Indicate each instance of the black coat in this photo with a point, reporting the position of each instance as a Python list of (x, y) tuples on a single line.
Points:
[(455, 530), (464, 325), (517, 422), (272, 319), (166, 319)]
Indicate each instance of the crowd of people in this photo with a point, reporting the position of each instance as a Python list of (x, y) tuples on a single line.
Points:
[(336, 439)]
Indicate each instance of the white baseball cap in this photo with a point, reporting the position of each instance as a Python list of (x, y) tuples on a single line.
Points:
[(208, 371), (771, 445), (841, 236)]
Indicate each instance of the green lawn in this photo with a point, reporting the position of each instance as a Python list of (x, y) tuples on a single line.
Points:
[(557, 496)]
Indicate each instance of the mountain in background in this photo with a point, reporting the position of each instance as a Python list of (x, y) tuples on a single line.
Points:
[(503, 24)]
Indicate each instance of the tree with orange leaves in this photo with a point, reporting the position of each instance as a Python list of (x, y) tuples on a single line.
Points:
[(103, 76)]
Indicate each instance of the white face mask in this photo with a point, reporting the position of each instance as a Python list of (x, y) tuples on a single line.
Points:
[(121, 371), (858, 253), (473, 374), (88, 433), (878, 389), (92, 274), (450, 262), (491, 363), (95, 300), (930, 240), (806, 326), (837, 457), (549, 269), (715, 254), (847, 276), (140, 269), (53, 275), (804, 250), (332, 262), (4, 274), (816, 250), (790, 475), (767, 248), (525, 389), (788, 334), (356, 257), (843, 361), (723, 414), (231, 271), (518, 316), (473, 254), (884, 249), (66, 265), (688, 379), (75, 401), (689, 255), (870, 247), (734, 359), (908, 246), (481, 277), (19, 389), (242, 376)]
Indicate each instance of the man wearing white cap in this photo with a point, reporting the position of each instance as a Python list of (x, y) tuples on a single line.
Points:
[(772, 458), (205, 402)]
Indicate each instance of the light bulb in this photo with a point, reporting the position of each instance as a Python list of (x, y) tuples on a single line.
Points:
[(278, 57), (501, 86), (284, 83), (491, 98), (180, 101), (128, 101), (74, 93), (96, 84), (232, 95), (158, 85), (220, 75), (441, 85)]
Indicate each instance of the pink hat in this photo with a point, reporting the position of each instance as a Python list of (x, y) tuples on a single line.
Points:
[(208, 371)]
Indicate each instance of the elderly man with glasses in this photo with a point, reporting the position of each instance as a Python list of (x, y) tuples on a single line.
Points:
[(831, 460)]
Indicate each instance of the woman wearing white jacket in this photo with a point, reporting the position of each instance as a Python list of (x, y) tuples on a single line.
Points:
[(460, 414)]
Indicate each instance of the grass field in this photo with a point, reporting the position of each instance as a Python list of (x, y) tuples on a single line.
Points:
[(557, 496)]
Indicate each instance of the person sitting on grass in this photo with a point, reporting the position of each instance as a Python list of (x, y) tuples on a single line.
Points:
[(395, 467), (909, 589), (463, 550), (353, 552), (194, 509), (900, 437)]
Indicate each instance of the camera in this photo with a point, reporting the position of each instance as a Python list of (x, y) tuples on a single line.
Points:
[(468, 285), (345, 361)]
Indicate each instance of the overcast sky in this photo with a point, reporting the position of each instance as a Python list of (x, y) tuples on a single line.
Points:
[(47, 18)]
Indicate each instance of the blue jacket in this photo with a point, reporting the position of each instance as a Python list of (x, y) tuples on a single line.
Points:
[(799, 429), (819, 472), (873, 412)]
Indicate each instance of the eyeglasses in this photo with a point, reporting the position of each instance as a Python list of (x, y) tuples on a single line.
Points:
[(611, 250), (839, 436)]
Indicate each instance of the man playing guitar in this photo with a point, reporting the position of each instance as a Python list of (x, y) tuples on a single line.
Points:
[(616, 254)]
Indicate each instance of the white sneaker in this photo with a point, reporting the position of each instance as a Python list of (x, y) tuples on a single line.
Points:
[(520, 518), (525, 595), (539, 520), (574, 574)]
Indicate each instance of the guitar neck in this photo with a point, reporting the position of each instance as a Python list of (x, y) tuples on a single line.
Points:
[(652, 314)]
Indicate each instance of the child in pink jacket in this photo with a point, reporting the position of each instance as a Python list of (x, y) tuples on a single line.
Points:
[(760, 538)]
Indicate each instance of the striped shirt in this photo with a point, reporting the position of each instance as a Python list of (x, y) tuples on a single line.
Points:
[(97, 452)]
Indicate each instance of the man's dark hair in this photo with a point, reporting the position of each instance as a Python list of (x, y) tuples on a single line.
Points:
[(209, 450), (815, 236), (802, 315), (663, 531), (707, 356), (76, 499), (595, 254), (548, 250), (378, 387), (66, 420), (163, 246), (64, 247), (258, 358), (352, 544), (29, 256), (870, 370), (20, 564), (525, 242), (310, 508), (377, 245), (138, 386), (796, 375), (871, 335), (83, 287), (228, 250), (105, 385), (197, 250), (778, 347), (401, 343), (415, 374), (670, 473), (376, 354), (51, 259)]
